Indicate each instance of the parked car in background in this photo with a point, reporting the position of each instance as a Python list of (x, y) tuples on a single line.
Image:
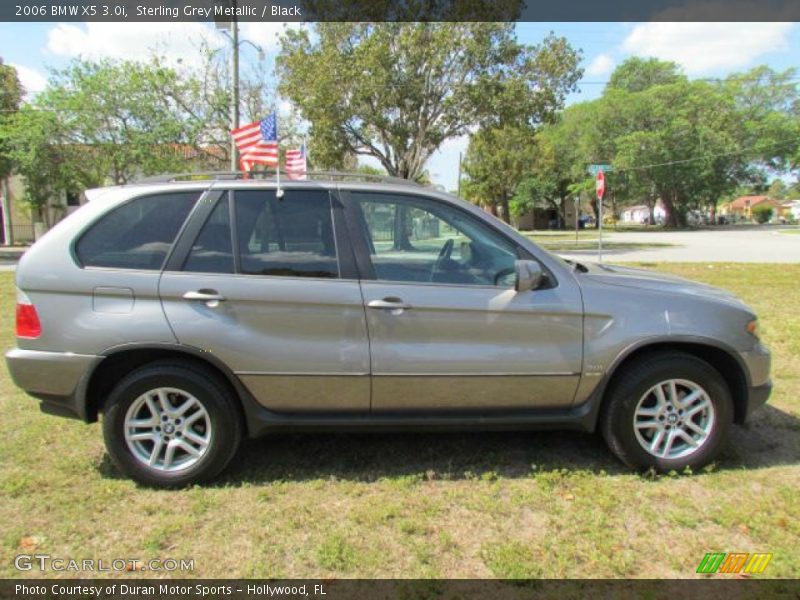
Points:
[(191, 313)]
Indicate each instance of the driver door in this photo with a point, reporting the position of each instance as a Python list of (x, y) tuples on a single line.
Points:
[(447, 330)]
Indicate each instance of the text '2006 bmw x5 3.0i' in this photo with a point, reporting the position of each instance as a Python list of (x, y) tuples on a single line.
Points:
[(193, 313)]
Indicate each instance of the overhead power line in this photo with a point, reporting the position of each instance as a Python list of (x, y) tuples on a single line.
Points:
[(700, 158)]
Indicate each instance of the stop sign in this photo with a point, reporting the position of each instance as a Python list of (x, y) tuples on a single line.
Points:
[(600, 185)]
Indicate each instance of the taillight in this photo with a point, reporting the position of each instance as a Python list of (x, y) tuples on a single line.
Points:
[(28, 325)]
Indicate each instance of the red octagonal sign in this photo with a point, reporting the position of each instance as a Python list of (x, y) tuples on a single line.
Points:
[(600, 185)]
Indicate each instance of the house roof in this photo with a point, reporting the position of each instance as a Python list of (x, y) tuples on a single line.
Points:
[(751, 201)]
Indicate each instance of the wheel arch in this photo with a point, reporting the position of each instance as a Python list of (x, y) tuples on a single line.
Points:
[(121, 360), (725, 360)]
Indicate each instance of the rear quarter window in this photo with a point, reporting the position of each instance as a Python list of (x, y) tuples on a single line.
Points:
[(137, 234)]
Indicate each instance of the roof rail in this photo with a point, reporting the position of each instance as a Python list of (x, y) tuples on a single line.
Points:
[(271, 175)]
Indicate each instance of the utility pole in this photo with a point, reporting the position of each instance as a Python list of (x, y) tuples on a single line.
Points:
[(235, 94), (233, 26)]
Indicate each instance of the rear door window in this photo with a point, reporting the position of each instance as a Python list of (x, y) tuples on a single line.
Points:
[(290, 237), (212, 251), (137, 235)]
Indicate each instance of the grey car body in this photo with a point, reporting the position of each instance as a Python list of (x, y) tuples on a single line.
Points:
[(311, 352)]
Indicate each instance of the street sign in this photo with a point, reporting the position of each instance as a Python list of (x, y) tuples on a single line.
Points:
[(595, 169), (600, 184)]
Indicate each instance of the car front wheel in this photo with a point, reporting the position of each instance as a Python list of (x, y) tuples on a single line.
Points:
[(171, 424), (668, 412)]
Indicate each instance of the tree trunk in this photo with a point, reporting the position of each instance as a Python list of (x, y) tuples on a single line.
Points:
[(596, 209), (6, 210), (672, 217), (505, 210)]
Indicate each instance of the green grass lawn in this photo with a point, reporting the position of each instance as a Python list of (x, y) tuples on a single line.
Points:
[(451, 505)]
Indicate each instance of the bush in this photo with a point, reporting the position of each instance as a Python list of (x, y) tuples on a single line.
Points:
[(762, 214)]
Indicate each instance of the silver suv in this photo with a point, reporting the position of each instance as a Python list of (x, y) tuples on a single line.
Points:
[(192, 312)]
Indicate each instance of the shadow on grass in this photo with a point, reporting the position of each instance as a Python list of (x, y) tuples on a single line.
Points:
[(771, 438)]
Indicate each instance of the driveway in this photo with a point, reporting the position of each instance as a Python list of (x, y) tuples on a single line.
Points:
[(756, 245)]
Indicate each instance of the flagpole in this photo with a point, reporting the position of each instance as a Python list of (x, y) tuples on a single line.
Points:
[(278, 190)]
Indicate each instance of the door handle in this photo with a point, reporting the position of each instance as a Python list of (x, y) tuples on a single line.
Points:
[(210, 297), (389, 304)]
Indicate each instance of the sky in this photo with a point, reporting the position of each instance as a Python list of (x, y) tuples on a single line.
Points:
[(704, 50)]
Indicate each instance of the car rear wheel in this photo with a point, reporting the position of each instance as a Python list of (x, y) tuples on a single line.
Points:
[(667, 412), (171, 424)]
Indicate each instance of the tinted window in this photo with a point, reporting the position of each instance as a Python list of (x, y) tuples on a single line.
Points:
[(138, 234), (212, 251), (417, 240), (292, 237)]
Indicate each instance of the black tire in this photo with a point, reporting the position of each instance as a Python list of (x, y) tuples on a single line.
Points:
[(214, 396), (629, 386)]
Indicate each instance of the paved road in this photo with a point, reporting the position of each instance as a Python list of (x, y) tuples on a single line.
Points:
[(731, 245), (754, 245)]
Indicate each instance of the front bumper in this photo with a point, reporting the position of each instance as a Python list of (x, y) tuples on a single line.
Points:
[(758, 363), (756, 397), (56, 378)]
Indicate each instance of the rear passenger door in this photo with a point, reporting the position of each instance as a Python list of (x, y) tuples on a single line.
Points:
[(268, 287)]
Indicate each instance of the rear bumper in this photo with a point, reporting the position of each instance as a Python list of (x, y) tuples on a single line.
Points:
[(56, 378)]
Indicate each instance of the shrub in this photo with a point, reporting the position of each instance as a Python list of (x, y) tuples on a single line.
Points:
[(762, 214)]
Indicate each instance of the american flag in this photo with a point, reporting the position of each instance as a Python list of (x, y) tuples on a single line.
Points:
[(296, 162), (257, 142)]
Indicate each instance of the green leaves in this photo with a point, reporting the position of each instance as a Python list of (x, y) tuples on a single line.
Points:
[(397, 91)]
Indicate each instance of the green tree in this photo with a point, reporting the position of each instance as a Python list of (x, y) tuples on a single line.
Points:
[(638, 74), (496, 161), (689, 143), (397, 91), (11, 92), (123, 114), (47, 166)]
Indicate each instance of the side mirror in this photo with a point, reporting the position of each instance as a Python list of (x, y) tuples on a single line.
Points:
[(528, 275)]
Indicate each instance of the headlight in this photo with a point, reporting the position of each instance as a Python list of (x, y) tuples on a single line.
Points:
[(752, 329)]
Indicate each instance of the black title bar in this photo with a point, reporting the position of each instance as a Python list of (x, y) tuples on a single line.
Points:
[(399, 10)]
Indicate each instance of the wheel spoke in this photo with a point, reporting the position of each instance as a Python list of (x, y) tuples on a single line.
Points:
[(152, 407), (156, 452), (673, 391), (647, 425), (197, 439), (145, 436), (181, 410), (670, 441), (169, 454), (141, 423), (164, 402), (702, 405), (188, 448), (695, 427), (200, 414), (687, 400), (686, 437), (647, 412), (656, 441), (661, 400)]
